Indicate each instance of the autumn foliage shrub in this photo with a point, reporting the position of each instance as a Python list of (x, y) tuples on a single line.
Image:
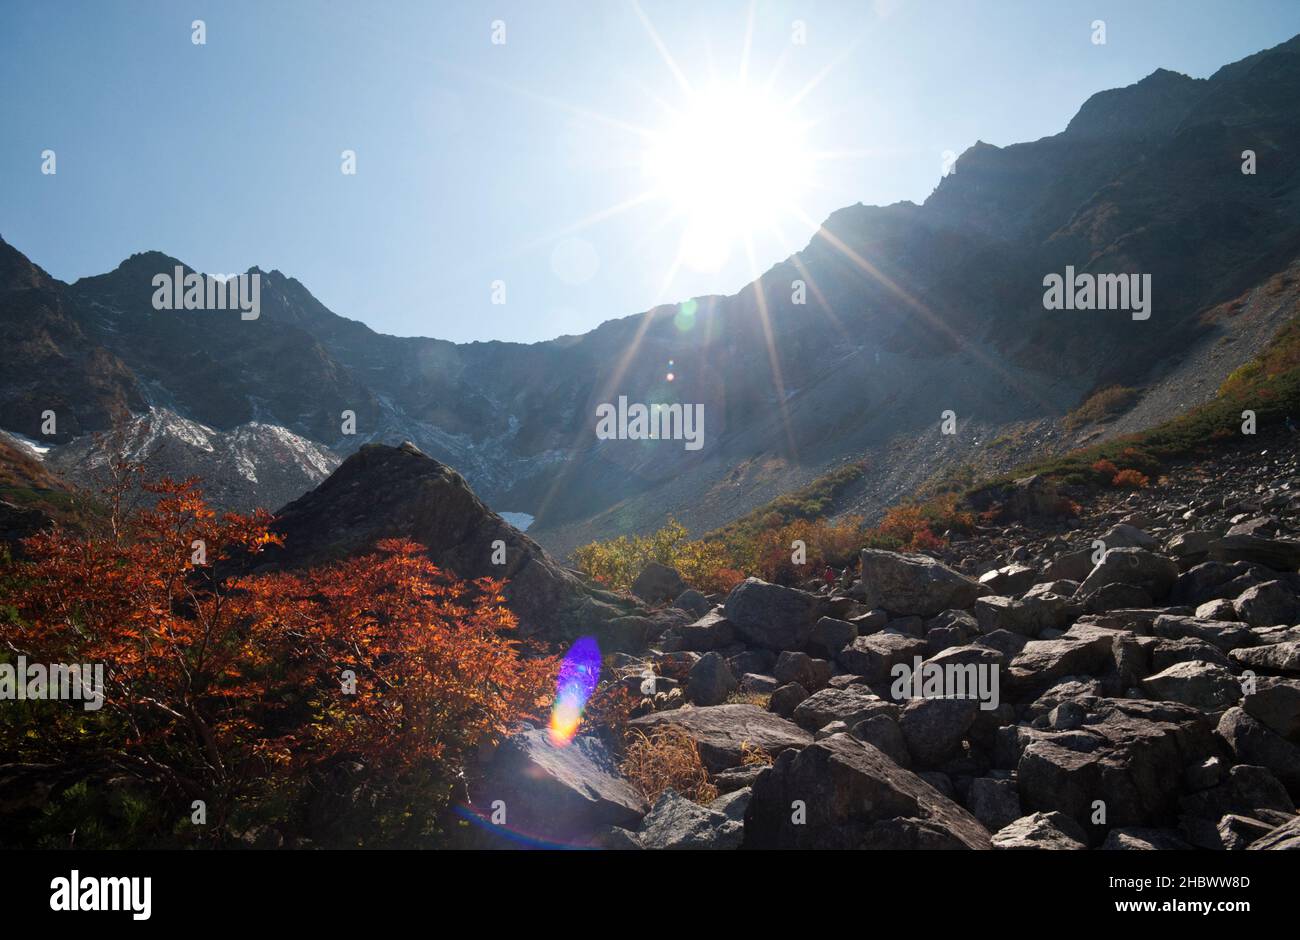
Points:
[(917, 527), (1130, 479), (245, 691), (769, 554), (617, 562)]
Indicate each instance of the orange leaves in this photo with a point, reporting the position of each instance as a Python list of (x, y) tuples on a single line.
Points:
[(232, 682)]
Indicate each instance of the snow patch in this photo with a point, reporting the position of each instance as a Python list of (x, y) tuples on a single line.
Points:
[(520, 520), (37, 450)]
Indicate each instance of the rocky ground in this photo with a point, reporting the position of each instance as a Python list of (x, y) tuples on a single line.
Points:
[(1129, 679)]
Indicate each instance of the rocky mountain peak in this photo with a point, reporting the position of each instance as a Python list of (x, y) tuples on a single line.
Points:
[(382, 491)]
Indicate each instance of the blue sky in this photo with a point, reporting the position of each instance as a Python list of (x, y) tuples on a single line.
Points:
[(476, 161)]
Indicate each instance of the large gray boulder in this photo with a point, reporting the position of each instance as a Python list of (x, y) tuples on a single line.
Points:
[(563, 793), (916, 585), (934, 727), (1227, 635), (710, 680), (658, 584), (851, 796), (1199, 684), (1276, 657), (1041, 831), (1252, 742), (1153, 573), (1128, 753), (1283, 837), (1278, 554), (1276, 703), (676, 823), (1267, 604), (995, 803), (1009, 579), (722, 732), (1028, 616), (872, 657), (772, 616), (850, 705)]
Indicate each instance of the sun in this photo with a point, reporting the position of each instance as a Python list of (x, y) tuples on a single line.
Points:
[(734, 161)]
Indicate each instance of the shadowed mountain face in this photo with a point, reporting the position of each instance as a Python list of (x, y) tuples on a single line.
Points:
[(397, 492), (910, 311)]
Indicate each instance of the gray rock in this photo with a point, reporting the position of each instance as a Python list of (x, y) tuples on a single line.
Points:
[(994, 802), (1043, 662), (712, 631), (760, 661), (1130, 754), (1072, 566), (835, 727), (1276, 703), (1276, 657), (829, 636), (882, 732), (1268, 604), (853, 796), (1190, 545), (1003, 641), (1226, 635), (676, 823), (1153, 573), (1282, 837), (1133, 838), (785, 699), (693, 602), (658, 583), (733, 804), (758, 683), (1117, 596), (1060, 586), (1127, 536), (933, 728), (1253, 743), (872, 657), (562, 793), (710, 680), (1278, 554), (913, 584), (1218, 609), (1209, 581), (1028, 616), (1010, 579), (769, 615), (1164, 653), (812, 674), (1199, 684), (850, 705), (1041, 831)]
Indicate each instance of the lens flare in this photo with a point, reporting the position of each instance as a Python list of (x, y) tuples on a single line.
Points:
[(579, 673)]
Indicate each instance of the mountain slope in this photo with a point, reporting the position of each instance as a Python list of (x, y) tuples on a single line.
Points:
[(385, 492), (911, 311)]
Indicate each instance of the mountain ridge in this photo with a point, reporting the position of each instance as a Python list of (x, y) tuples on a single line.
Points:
[(1143, 178)]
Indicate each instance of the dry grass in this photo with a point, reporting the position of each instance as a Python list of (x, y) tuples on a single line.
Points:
[(751, 754), (665, 758)]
